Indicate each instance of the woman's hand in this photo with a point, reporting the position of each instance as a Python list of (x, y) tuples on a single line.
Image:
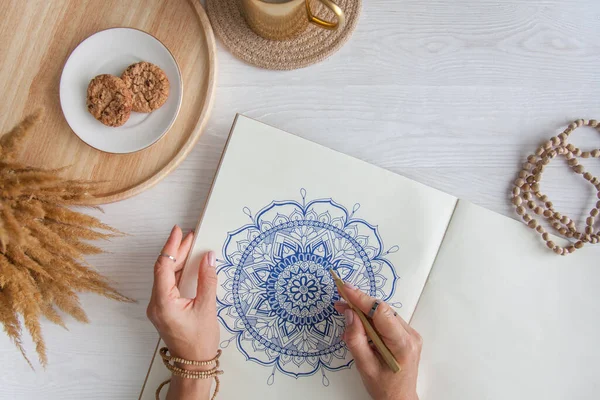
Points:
[(402, 340), (188, 327)]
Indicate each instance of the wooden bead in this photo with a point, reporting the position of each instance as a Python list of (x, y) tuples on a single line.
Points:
[(596, 153), (517, 201), (594, 213), (516, 191), (552, 153), (565, 220), (537, 177), (570, 147), (590, 221), (588, 176), (563, 136), (571, 249), (598, 196), (594, 181), (532, 224), (549, 204), (550, 244), (531, 204), (548, 145), (526, 187), (539, 151), (572, 225), (579, 122), (593, 123), (527, 218), (573, 162), (569, 234), (579, 244), (577, 152), (520, 210), (540, 229), (519, 182), (579, 169), (530, 179), (557, 215), (555, 141), (544, 198), (569, 156), (527, 166), (545, 235), (587, 238), (558, 250), (535, 187), (547, 213), (523, 175), (545, 161), (585, 154), (572, 125), (556, 225), (532, 159), (527, 196), (562, 231), (538, 210)]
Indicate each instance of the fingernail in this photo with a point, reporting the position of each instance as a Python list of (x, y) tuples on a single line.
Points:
[(350, 286), (349, 316), (341, 303), (212, 258)]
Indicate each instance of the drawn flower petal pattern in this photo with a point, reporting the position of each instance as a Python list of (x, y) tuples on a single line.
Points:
[(277, 293)]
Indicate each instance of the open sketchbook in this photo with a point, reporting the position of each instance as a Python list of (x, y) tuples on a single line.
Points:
[(501, 317)]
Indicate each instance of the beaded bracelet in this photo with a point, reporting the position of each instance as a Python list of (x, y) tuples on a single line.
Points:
[(184, 373), (526, 192)]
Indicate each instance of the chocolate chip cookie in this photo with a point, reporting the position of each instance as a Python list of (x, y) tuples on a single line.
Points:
[(149, 85), (109, 100)]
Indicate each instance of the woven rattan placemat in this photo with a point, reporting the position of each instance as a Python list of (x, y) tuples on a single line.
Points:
[(313, 45)]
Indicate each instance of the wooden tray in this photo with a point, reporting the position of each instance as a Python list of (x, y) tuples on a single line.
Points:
[(36, 39)]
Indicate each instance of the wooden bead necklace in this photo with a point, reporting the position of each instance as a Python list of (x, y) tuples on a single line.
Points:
[(527, 196), (169, 362)]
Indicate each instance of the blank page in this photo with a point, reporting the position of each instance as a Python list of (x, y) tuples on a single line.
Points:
[(502, 317)]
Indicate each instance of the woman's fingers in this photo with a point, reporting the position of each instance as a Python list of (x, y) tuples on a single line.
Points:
[(206, 293), (358, 343), (385, 320), (164, 268), (184, 249), (340, 306)]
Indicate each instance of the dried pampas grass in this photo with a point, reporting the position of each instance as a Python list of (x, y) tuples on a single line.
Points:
[(43, 244)]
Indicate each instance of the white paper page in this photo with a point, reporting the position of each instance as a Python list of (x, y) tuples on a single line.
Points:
[(502, 317), (389, 229)]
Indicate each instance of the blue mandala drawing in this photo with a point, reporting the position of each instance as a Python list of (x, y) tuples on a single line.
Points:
[(278, 293)]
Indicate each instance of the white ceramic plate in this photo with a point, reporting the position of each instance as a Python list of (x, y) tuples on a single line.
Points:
[(110, 52)]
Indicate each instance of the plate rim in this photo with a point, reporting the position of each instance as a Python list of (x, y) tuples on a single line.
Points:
[(179, 103)]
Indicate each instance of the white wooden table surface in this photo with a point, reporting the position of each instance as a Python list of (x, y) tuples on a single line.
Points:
[(453, 94)]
